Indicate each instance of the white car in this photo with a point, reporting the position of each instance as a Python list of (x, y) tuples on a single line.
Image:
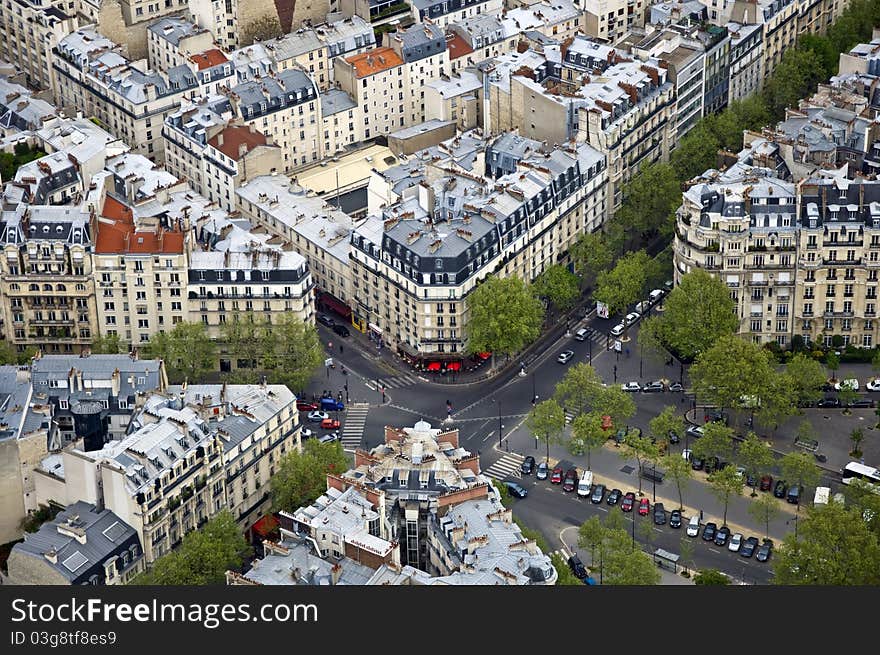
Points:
[(631, 386), (306, 434), (849, 383), (632, 317), (565, 356), (655, 295), (617, 330), (693, 528), (735, 542), (686, 454), (873, 385), (317, 416)]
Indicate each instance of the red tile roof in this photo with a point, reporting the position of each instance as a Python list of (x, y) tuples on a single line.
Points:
[(117, 234), (209, 59), (457, 46), (374, 61), (230, 140)]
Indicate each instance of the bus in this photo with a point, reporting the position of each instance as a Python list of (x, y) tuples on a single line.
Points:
[(858, 471)]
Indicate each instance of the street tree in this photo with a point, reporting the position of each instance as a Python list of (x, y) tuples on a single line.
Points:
[(505, 316), (724, 484), (577, 391), (835, 546), (650, 200), (645, 528), (847, 395), (806, 431), (108, 345), (593, 253), (856, 437), (697, 313), (686, 552), (640, 448), (624, 284), (755, 456), (9, 354), (796, 76), (203, 557), (665, 422), (588, 432), (832, 363), (559, 286), (731, 370), (616, 403), (764, 510), (244, 337), (565, 577), (302, 476), (291, 351), (546, 421), (591, 535), (187, 350), (800, 469), (630, 567), (805, 377), (717, 441), (863, 498), (678, 469), (696, 152), (711, 577), (777, 402)]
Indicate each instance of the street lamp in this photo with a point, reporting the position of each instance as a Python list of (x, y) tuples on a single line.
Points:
[(634, 531), (640, 360), (500, 424), (654, 479), (615, 373), (534, 395), (591, 352)]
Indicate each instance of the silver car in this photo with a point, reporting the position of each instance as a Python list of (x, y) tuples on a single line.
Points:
[(565, 356)]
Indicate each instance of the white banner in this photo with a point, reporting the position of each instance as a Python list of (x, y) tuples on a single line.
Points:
[(601, 309)]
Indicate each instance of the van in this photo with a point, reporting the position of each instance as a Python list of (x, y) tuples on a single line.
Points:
[(585, 484), (643, 306), (822, 495), (331, 405), (693, 528), (655, 295), (581, 335)]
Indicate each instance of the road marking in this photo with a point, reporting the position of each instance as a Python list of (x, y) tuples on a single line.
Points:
[(487, 436), (508, 465), (602, 509), (658, 530), (715, 551), (369, 386)]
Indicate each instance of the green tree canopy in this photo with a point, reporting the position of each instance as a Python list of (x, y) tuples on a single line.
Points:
[(505, 316), (717, 441), (302, 476), (203, 557), (711, 577), (291, 351), (566, 577), (587, 431), (108, 345), (546, 421), (755, 456), (593, 253), (665, 422), (677, 469), (650, 200), (579, 389), (697, 313), (764, 510), (559, 286), (800, 469), (834, 547), (805, 377), (616, 403), (624, 284), (640, 448), (696, 152), (795, 77), (731, 370), (724, 485), (187, 350)]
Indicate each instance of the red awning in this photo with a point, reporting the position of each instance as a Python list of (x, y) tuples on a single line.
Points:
[(484, 355), (433, 366), (266, 525), (454, 366)]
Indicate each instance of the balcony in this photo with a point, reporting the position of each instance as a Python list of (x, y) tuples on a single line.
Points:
[(870, 314), (843, 244), (756, 314), (757, 283), (805, 313), (842, 262), (838, 314)]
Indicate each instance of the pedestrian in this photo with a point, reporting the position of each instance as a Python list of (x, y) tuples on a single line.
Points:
[(341, 349), (627, 352)]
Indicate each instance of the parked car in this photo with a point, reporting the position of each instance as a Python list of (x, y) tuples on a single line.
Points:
[(318, 416), (722, 536), (598, 494), (304, 406), (628, 501), (829, 401), (766, 483), (585, 484), (305, 433), (331, 405), (709, 531), (751, 480), (631, 386), (748, 547), (516, 489), (659, 514), (676, 386), (617, 330), (644, 507), (323, 319), (735, 542), (694, 431), (643, 306), (848, 383), (632, 317), (673, 437), (655, 295), (557, 475), (330, 424), (565, 356), (570, 481), (341, 330), (687, 454), (793, 495), (715, 416), (764, 550), (528, 465), (873, 385), (780, 489), (696, 463), (693, 528), (329, 438), (675, 519), (541, 471), (653, 387), (861, 402), (613, 497), (577, 567)]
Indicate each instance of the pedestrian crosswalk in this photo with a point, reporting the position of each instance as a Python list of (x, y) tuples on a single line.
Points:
[(398, 381), (509, 465), (353, 428), (569, 417), (562, 552)]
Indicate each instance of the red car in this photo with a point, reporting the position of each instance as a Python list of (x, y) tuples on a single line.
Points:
[(644, 507), (766, 483), (571, 480), (304, 406), (330, 424), (556, 475), (628, 500)]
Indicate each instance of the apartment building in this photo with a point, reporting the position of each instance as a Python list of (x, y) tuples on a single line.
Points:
[(284, 107), (94, 77), (341, 121), (610, 20), (31, 29), (82, 545), (560, 19), (838, 260), (172, 40), (21, 114), (476, 39), (444, 13), (315, 229), (746, 45), (423, 51), (740, 225), (456, 99), (778, 20), (414, 264), (376, 80), (237, 23), (190, 453)]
